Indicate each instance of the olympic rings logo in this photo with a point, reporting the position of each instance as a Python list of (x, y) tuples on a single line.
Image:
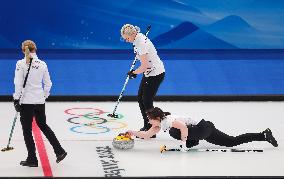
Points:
[(93, 121)]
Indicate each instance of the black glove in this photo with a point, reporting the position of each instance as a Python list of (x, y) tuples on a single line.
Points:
[(131, 74), (17, 105)]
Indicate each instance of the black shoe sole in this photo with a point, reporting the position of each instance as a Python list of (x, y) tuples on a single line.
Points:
[(27, 164)]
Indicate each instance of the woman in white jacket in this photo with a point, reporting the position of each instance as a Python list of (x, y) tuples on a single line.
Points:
[(151, 67), (30, 102)]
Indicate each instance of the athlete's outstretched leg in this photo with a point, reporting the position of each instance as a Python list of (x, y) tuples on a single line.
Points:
[(219, 138)]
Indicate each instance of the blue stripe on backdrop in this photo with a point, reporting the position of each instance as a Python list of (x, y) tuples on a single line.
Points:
[(197, 72)]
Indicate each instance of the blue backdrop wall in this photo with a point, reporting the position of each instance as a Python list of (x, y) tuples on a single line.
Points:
[(188, 72), (220, 47)]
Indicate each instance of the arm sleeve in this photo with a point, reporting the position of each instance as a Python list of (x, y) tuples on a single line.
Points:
[(167, 123), (47, 83), (18, 80)]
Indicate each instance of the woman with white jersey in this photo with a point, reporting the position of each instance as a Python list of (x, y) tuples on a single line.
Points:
[(151, 66), (190, 131), (30, 102)]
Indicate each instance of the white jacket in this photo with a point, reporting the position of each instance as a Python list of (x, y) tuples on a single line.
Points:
[(38, 83), (142, 45), (167, 122)]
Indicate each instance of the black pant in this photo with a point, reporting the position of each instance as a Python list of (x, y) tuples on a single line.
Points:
[(146, 93), (205, 130), (28, 111)]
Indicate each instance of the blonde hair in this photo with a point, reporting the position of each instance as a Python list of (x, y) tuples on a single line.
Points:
[(30, 44), (129, 29)]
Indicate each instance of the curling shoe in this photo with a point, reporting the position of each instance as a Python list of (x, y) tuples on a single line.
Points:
[(61, 157), (144, 129), (269, 137), (29, 163)]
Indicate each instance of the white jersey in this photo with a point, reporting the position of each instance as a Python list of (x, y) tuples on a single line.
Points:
[(142, 45), (167, 122), (38, 83)]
